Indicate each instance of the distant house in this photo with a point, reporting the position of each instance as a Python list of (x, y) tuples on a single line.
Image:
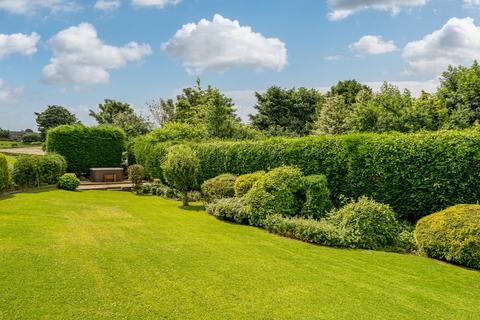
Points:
[(16, 135)]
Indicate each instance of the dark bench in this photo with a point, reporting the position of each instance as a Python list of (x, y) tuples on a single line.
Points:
[(106, 174)]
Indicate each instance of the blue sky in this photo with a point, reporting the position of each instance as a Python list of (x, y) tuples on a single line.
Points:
[(70, 53)]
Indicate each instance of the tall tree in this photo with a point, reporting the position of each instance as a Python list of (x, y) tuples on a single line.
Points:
[(348, 89), (109, 109), (286, 111), (52, 117), (162, 111), (220, 119), (333, 117)]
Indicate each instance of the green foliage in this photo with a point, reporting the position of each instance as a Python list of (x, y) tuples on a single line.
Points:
[(31, 137), (180, 169), (4, 133), (286, 111), (317, 197), (229, 209), (319, 232), (367, 224), (416, 174), (69, 182), (50, 168), (245, 182), (87, 147), (25, 172), (136, 174), (4, 174), (333, 117), (277, 192), (177, 131), (349, 90), (157, 188), (452, 235), (218, 187), (53, 117)]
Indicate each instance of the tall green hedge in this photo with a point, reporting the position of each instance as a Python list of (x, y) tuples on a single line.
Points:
[(87, 147), (4, 174)]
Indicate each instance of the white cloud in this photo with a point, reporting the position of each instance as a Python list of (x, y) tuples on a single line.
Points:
[(457, 42), (336, 57), (26, 7), (222, 44), (155, 3), (80, 57), (373, 45), (107, 4), (472, 2), (341, 9), (18, 43), (9, 95)]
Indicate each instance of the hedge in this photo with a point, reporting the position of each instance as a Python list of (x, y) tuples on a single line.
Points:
[(32, 171), (4, 174), (87, 147)]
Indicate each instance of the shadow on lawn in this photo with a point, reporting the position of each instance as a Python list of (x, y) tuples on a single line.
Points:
[(31, 191), (196, 207)]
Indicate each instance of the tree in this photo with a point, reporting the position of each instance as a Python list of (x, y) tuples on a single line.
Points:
[(348, 89), (180, 169), (286, 112), (52, 117), (220, 120), (109, 109), (333, 117), (4, 134), (162, 111)]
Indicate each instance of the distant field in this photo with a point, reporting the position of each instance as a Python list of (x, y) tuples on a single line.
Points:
[(4, 144)]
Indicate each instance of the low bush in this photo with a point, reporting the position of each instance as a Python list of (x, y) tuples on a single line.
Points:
[(229, 209), (245, 182), (452, 235), (277, 192), (320, 232), (317, 197), (4, 174), (31, 137), (136, 174), (218, 188), (367, 224), (25, 172), (50, 168), (68, 181)]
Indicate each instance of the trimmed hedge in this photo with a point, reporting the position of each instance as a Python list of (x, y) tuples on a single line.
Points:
[(317, 197), (416, 174), (4, 174), (229, 209), (218, 187), (452, 235), (245, 182), (50, 168), (69, 182), (32, 171), (87, 147)]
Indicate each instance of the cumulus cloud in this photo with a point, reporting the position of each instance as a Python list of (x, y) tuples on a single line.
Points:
[(457, 42), (222, 44), (472, 2), (336, 57), (26, 7), (373, 45), (18, 43), (341, 9), (9, 95), (155, 3), (80, 57), (107, 4)]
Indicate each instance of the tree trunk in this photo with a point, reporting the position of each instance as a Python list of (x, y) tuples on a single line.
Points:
[(185, 199)]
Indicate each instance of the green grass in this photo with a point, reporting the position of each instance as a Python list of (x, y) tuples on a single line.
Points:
[(6, 144), (112, 255)]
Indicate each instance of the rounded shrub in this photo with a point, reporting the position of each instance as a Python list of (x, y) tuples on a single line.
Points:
[(229, 209), (68, 181), (218, 187), (367, 224), (4, 174), (26, 172), (245, 182), (50, 168), (277, 192), (136, 174), (317, 197), (180, 169), (452, 235)]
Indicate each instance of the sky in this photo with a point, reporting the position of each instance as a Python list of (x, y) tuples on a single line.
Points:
[(76, 53)]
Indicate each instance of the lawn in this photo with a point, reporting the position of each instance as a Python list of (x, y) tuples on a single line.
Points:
[(112, 255)]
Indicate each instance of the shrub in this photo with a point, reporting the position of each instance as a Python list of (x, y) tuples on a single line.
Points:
[(275, 193), (181, 169), (245, 182), (367, 224), (4, 174), (218, 187), (68, 181), (87, 147), (26, 172), (31, 137), (309, 230), (452, 235), (317, 197), (229, 209), (50, 168), (136, 174), (178, 131), (416, 174)]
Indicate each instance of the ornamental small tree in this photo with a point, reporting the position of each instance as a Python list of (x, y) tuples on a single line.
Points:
[(136, 174), (180, 169)]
